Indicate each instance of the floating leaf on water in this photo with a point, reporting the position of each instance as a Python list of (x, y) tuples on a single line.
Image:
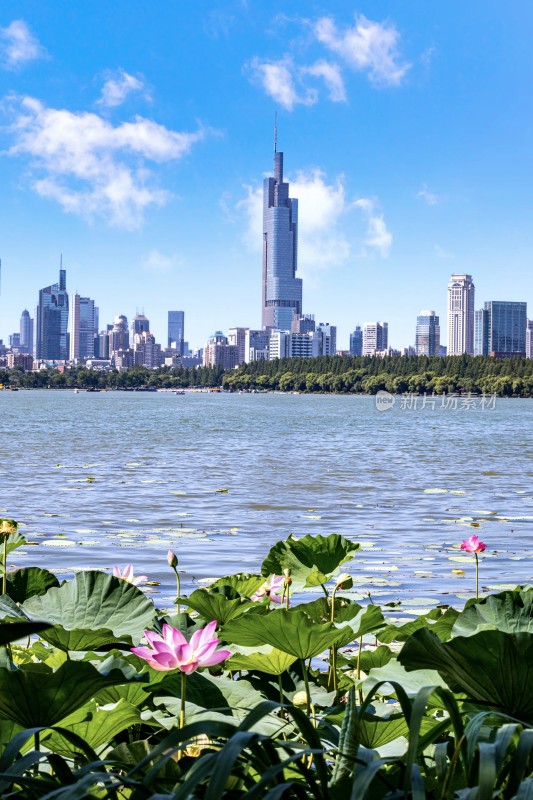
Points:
[(312, 516), (457, 491), (58, 543), (458, 572), (463, 559), (435, 491), (221, 491), (178, 493)]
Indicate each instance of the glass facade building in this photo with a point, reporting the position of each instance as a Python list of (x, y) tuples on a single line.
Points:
[(356, 342), (506, 329), (427, 342), (51, 321), (461, 315), (176, 330), (282, 290)]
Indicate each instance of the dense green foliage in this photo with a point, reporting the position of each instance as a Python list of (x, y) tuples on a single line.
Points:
[(80, 377), (508, 377), (437, 708)]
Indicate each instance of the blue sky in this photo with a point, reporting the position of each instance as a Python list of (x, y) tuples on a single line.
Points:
[(134, 138)]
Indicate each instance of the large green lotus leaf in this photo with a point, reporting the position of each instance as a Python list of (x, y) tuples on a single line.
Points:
[(29, 581), (13, 631), (492, 668), (411, 682), (244, 584), (261, 659), (204, 692), (509, 612), (291, 631), (313, 560), (439, 621), (9, 610), (353, 619), (84, 639), (213, 605), (94, 602), (8, 729), (95, 724), (36, 696)]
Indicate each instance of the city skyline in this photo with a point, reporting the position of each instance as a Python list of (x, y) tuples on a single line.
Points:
[(142, 159)]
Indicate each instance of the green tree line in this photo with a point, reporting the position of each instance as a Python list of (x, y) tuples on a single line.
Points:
[(80, 377), (506, 377)]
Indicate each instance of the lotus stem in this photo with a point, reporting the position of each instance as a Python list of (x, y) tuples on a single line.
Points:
[(307, 690), (183, 691), (359, 690), (477, 576), (280, 684), (4, 576), (178, 586), (333, 651)]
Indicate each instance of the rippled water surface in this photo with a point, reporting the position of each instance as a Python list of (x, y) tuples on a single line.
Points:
[(112, 478)]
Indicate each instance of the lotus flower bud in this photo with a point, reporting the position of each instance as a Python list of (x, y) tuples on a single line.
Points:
[(288, 579), (344, 581), (172, 559), (299, 699)]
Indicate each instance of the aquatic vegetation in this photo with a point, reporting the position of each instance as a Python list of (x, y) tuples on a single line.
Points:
[(127, 575), (239, 693), (474, 545)]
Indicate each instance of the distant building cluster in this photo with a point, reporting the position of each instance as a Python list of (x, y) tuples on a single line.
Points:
[(65, 328)]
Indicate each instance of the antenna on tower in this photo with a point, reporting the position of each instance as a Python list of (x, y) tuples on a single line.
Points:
[(275, 131)]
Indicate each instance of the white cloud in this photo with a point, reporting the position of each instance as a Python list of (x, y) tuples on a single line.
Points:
[(278, 80), (430, 198), (18, 45), (332, 77), (442, 253), (158, 262), (377, 234), (367, 46), (92, 168), (323, 218), (118, 86)]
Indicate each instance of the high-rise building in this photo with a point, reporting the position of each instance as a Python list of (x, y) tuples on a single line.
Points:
[(502, 329), (83, 327), (14, 341), (219, 353), (282, 290), (427, 342), (146, 351), (327, 339), (51, 321), (140, 324), (461, 315), (303, 323), (237, 336), (256, 345), (375, 337), (529, 338), (481, 332), (26, 332), (119, 338), (356, 342), (176, 331)]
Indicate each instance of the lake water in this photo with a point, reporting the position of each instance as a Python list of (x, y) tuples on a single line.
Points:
[(113, 478)]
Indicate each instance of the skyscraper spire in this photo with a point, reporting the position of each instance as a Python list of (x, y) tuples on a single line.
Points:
[(275, 131)]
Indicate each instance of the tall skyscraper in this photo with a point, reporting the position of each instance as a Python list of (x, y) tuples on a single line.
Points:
[(327, 339), (529, 338), (375, 337), (501, 329), (282, 290), (356, 342), (83, 327), (176, 330), (140, 324), (26, 332), (51, 321), (427, 342), (119, 338), (460, 315)]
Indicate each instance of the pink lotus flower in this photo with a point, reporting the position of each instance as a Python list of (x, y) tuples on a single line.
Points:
[(269, 589), (173, 651), (128, 576), (473, 545)]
